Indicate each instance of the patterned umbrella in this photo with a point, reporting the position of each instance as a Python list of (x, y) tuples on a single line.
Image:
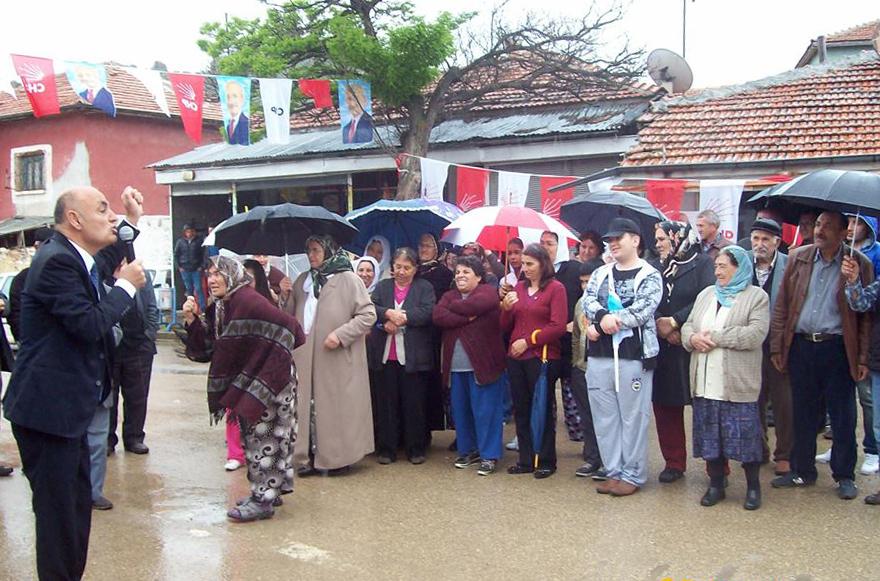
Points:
[(493, 227)]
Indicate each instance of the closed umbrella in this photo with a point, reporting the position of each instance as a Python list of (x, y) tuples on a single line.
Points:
[(538, 417)]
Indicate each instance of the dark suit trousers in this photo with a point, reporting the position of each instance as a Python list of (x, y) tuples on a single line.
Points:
[(818, 369), (58, 471), (131, 377)]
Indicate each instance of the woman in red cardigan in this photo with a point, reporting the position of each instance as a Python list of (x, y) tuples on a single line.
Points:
[(535, 315), (473, 364)]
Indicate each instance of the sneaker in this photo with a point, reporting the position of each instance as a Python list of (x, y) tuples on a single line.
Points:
[(790, 480), (465, 461), (232, 465), (588, 469), (824, 457), (871, 464), (513, 444), (847, 490), (486, 467), (601, 475)]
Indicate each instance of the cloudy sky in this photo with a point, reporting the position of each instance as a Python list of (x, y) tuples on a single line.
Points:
[(727, 42)]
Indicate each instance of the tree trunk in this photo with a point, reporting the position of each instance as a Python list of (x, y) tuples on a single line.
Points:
[(413, 142)]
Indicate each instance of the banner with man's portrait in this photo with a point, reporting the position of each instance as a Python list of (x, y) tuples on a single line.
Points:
[(355, 111), (89, 81), (235, 102)]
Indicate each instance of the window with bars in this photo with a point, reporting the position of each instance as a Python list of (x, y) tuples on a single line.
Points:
[(30, 169)]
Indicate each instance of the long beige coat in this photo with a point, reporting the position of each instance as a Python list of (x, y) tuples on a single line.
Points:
[(337, 379)]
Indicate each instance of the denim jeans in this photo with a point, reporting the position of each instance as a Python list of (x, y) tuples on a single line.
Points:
[(192, 282)]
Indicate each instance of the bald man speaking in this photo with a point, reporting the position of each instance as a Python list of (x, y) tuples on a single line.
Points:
[(63, 366)]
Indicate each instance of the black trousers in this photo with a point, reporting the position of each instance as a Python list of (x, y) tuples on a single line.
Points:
[(579, 390), (523, 374), (820, 370), (401, 401), (58, 471), (131, 377)]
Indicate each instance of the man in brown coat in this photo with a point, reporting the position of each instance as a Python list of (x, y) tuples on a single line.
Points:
[(824, 345)]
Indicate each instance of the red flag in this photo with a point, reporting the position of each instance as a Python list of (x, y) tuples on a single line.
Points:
[(190, 93), (667, 196), (317, 89), (472, 185), (38, 77), (551, 202)]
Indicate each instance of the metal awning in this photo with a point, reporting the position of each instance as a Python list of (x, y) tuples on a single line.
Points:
[(18, 224)]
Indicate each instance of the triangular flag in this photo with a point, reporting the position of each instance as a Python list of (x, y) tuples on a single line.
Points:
[(551, 202), (434, 174), (275, 94), (190, 93), (38, 77), (152, 81), (318, 90), (513, 188), (89, 82), (472, 187)]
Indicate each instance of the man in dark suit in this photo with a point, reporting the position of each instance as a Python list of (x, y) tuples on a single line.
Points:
[(360, 128), (63, 367)]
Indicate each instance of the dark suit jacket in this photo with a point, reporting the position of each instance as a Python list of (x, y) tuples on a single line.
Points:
[(103, 101), (418, 333), (63, 365), (240, 136), (363, 133)]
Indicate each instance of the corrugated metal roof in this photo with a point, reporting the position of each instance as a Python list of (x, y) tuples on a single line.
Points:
[(23, 223), (571, 120)]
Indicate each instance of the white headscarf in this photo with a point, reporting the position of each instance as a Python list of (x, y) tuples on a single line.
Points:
[(385, 263), (357, 261)]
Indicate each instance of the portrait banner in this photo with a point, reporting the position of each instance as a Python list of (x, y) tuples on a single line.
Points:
[(235, 103), (89, 82), (355, 111)]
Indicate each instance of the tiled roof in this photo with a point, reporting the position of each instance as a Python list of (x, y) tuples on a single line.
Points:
[(128, 92), (866, 32), (816, 111)]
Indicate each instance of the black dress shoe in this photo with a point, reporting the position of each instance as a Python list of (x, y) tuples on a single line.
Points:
[(5, 470), (339, 471), (713, 496), (308, 470), (753, 499), (519, 469), (137, 448), (544, 472)]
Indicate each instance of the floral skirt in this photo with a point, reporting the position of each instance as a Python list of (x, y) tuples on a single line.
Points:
[(727, 429)]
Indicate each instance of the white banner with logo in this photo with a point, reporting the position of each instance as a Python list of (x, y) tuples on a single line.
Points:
[(275, 94), (722, 196)]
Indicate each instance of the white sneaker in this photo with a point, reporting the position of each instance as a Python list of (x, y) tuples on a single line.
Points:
[(871, 464), (513, 444), (825, 457), (232, 465)]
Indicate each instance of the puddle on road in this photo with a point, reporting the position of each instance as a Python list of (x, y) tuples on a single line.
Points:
[(306, 553)]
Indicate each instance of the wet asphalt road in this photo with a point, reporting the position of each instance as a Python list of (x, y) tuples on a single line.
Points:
[(433, 521)]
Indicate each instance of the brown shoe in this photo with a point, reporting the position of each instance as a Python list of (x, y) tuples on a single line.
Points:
[(783, 467), (607, 486), (624, 488)]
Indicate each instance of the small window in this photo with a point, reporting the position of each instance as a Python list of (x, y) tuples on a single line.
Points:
[(31, 169)]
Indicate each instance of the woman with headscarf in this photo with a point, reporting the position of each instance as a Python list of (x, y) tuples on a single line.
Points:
[(379, 248), (685, 272), (367, 269), (725, 332), (334, 398), (259, 281), (435, 272), (249, 343)]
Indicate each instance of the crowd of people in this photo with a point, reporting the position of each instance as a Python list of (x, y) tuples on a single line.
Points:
[(371, 355)]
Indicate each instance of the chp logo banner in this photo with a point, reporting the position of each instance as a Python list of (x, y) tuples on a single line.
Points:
[(667, 196), (723, 197), (551, 202), (190, 93), (318, 90), (275, 94), (472, 187), (38, 78)]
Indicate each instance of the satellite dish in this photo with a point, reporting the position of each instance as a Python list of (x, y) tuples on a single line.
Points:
[(670, 71)]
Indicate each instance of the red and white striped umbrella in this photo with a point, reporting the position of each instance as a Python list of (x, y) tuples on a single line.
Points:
[(493, 227)]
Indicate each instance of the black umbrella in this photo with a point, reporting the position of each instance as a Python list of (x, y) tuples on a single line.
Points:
[(280, 230), (594, 211), (827, 189)]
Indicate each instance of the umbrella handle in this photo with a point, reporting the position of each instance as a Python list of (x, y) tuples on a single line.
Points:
[(852, 247)]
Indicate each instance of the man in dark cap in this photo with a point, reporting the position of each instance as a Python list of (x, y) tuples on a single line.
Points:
[(619, 302), (769, 261)]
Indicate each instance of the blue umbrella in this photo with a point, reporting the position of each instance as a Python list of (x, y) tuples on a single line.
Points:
[(539, 407), (401, 222)]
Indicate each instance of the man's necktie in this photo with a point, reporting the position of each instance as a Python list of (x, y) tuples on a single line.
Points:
[(231, 131), (90, 96), (96, 282), (352, 131)]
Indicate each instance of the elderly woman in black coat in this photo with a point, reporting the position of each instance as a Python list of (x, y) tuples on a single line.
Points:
[(686, 272), (404, 305)]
